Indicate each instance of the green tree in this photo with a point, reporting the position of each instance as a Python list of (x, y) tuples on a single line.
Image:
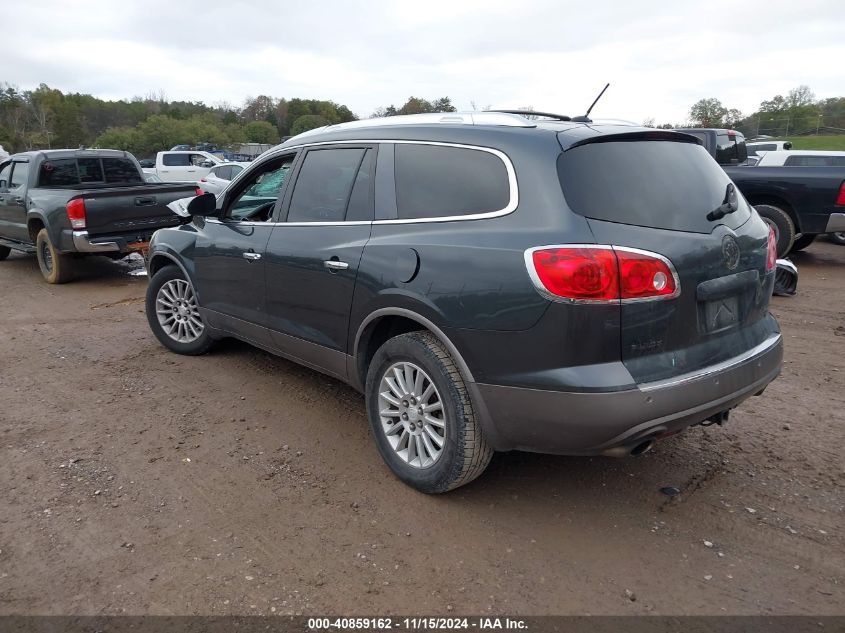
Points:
[(261, 132), (125, 138), (708, 113), (307, 122)]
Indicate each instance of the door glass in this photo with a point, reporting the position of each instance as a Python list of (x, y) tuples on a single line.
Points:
[(322, 188), (19, 175), (360, 202), (256, 201), (176, 160), (5, 172)]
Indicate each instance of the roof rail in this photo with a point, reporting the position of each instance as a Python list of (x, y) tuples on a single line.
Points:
[(527, 113), (428, 118)]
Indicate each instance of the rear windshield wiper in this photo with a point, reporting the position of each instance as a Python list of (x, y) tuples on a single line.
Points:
[(729, 204)]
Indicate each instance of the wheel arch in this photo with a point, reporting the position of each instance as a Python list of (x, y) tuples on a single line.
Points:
[(776, 201), (160, 259), (383, 324)]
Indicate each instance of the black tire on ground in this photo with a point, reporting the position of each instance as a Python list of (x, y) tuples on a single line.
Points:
[(4, 252), (783, 225), (191, 346), (465, 453), (56, 268), (837, 238), (802, 242)]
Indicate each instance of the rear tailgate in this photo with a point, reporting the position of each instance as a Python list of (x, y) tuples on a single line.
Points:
[(654, 193), (135, 210)]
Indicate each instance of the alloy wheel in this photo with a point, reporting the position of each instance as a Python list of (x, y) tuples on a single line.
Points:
[(176, 309)]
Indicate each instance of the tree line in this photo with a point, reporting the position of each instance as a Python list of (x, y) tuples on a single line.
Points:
[(48, 118), (797, 113)]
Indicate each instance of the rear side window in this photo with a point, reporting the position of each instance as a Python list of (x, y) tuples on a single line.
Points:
[(121, 170), (324, 184), (434, 181), (224, 173), (58, 173), (660, 184), (176, 160)]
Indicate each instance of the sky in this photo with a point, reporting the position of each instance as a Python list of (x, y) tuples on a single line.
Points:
[(660, 57)]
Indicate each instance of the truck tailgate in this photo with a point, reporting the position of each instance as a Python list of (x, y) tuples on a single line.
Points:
[(137, 209)]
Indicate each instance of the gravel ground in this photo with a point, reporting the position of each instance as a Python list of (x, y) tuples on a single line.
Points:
[(137, 481)]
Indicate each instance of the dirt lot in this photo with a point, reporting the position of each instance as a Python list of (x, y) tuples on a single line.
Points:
[(137, 481)]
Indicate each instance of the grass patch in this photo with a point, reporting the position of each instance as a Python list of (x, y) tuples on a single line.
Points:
[(819, 142)]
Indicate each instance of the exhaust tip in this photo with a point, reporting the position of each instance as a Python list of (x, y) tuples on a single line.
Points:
[(642, 448)]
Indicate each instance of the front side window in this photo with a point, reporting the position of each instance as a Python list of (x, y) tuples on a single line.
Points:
[(5, 172), (324, 185), (258, 195), (435, 181), (20, 172)]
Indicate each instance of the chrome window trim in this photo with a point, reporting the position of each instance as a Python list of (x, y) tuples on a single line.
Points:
[(513, 201), (528, 256)]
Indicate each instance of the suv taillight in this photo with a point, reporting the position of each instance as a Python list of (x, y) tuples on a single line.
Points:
[(76, 213), (597, 273), (772, 250), (840, 199)]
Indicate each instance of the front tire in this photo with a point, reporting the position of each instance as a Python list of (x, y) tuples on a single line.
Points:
[(421, 415), (783, 225), (173, 314), (56, 268)]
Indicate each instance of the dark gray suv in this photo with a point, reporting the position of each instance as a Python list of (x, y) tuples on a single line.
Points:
[(489, 282)]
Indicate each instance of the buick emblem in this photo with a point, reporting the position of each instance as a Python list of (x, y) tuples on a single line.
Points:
[(730, 251)]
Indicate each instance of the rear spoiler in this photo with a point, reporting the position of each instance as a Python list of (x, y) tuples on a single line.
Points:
[(639, 135)]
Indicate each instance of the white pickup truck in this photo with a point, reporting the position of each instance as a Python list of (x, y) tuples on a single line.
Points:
[(183, 166)]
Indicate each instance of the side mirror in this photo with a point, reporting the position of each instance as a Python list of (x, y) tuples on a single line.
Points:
[(204, 205)]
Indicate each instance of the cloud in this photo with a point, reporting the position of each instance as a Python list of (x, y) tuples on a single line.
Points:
[(659, 57)]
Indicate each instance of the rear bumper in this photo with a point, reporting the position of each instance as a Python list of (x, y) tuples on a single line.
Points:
[(835, 223), (82, 243), (578, 423)]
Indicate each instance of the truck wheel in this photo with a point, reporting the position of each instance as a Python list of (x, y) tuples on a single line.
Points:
[(422, 416), (783, 225), (4, 252), (837, 238), (173, 314), (55, 267), (802, 242)]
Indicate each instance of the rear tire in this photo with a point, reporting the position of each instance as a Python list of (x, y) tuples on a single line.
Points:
[(802, 242), (837, 238), (438, 444), (56, 268), (173, 314), (4, 252), (783, 225)]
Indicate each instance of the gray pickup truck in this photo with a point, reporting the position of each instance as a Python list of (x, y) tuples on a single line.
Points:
[(62, 204)]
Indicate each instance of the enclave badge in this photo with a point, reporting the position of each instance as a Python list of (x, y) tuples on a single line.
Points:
[(730, 251)]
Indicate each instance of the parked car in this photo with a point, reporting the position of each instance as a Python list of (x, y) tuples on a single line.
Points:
[(758, 148), (220, 176), (799, 203), (181, 166), (802, 158), (60, 204), (489, 282), (726, 146)]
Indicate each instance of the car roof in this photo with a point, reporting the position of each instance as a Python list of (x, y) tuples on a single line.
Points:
[(465, 127)]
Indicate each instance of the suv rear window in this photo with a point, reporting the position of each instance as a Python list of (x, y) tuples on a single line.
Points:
[(660, 184), (435, 181)]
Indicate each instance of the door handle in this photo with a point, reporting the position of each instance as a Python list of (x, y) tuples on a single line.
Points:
[(17, 200), (334, 265), (252, 256)]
